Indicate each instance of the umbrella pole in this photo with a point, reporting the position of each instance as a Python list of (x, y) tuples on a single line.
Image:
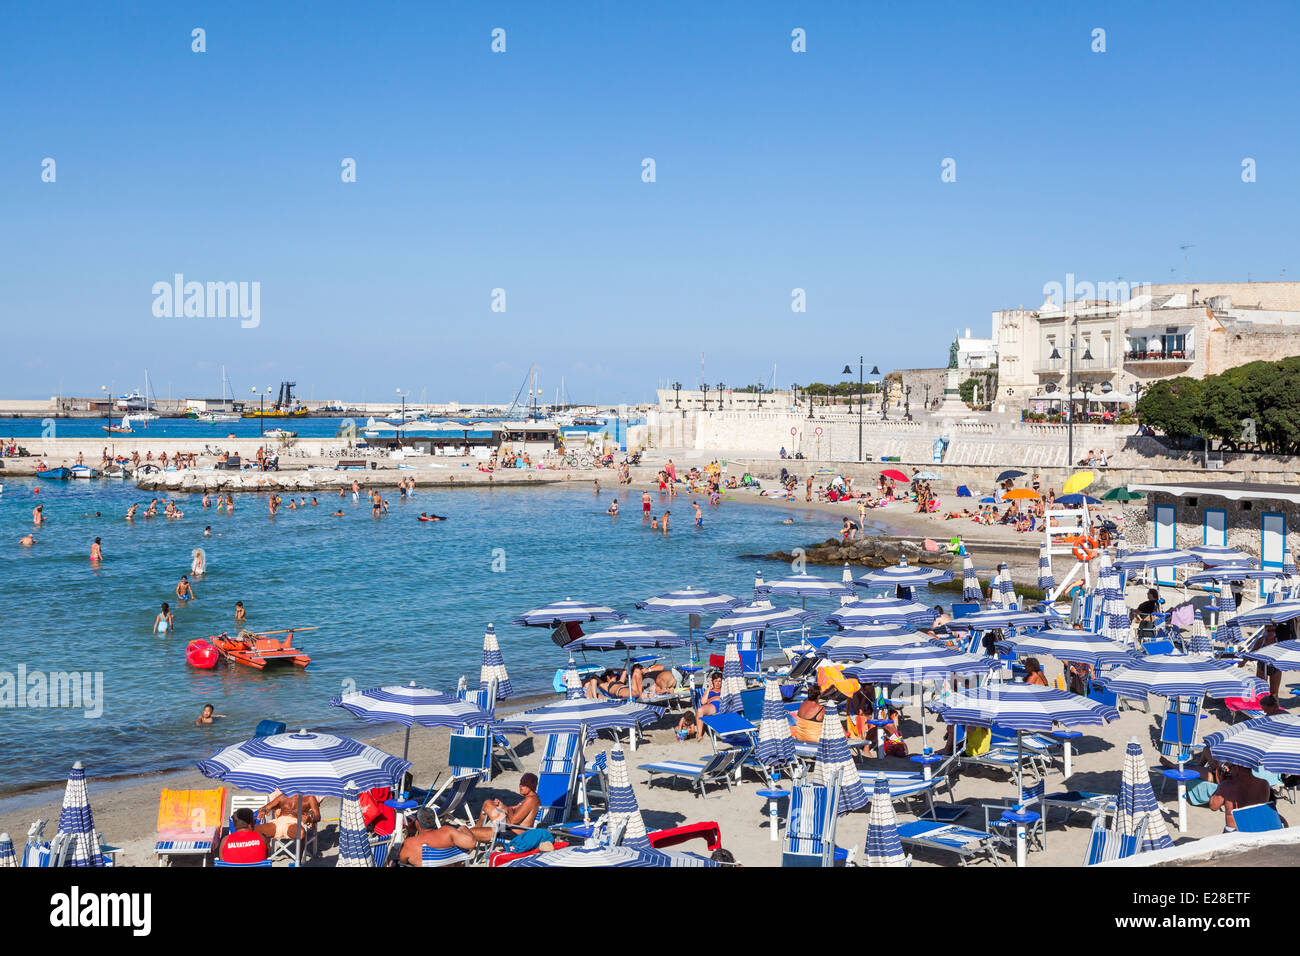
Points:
[(297, 843), (406, 747), (582, 777)]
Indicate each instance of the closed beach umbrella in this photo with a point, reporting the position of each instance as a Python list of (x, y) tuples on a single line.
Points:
[(7, 858), (1212, 555), (77, 822), (1289, 571), (1077, 482), (1116, 624), (1046, 583), (1081, 647), (846, 578), (1266, 743), (833, 758), (1121, 547), (494, 666), (572, 686), (775, 747), (1284, 655), (733, 680), (1225, 607), (759, 616), (411, 705), (1182, 675), (970, 584), (354, 841), (904, 575), (1199, 640), (875, 611), (1006, 593), (621, 806), (861, 642), (1136, 801), (883, 847), (805, 586)]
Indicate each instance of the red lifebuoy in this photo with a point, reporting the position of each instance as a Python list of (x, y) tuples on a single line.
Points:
[(1084, 547)]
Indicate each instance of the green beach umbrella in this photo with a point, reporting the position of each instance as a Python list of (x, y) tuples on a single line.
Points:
[(1122, 494)]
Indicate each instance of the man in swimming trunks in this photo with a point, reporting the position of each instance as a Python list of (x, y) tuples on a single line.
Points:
[(38, 515), (645, 504), (183, 589), (27, 540), (283, 814), (699, 515), (663, 525), (519, 816)]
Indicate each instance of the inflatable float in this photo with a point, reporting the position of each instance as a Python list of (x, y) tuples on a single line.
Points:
[(202, 654)]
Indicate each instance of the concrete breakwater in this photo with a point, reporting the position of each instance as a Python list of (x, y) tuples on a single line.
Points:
[(322, 479)]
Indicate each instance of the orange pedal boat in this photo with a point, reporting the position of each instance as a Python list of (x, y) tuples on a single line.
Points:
[(259, 650)]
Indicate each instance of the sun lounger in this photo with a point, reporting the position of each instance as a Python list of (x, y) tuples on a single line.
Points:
[(43, 853), (717, 769), (1080, 801), (503, 752), (1259, 818), (557, 779), (1105, 845), (1031, 797), (907, 785), (278, 847), (221, 862), (1006, 757), (810, 828), (966, 842), (709, 832), (189, 822), (451, 856)]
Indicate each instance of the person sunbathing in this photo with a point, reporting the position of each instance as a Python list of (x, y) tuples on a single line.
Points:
[(496, 814), (808, 718), (712, 696), (428, 833), (283, 813)]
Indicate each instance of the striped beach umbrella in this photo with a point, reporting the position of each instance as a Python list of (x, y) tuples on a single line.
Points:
[(354, 841), (1198, 642), (846, 578), (1181, 675), (565, 612), (572, 686), (7, 857), (733, 680), (883, 847), (1136, 801), (1001, 618), (1284, 655), (833, 758), (1290, 573), (1156, 558), (759, 616), (775, 747), (1212, 555), (1080, 647), (572, 716), (876, 611), (805, 586), (494, 666), (1006, 588), (690, 601), (621, 806), (607, 856), (412, 705), (1046, 583), (858, 643), (77, 823), (1121, 547), (1225, 611), (1276, 613), (970, 584), (1267, 743), (303, 763), (903, 575), (1115, 620)]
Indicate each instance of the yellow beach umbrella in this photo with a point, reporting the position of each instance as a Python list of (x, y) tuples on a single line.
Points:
[(1077, 482)]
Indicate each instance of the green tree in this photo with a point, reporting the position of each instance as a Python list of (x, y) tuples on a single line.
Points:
[(1174, 406)]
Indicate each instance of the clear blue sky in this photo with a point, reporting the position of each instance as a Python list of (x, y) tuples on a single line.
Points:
[(522, 171)]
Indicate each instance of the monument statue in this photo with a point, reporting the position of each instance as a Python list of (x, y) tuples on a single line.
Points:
[(952, 354)]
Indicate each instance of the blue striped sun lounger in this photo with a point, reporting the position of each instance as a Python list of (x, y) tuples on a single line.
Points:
[(967, 843), (451, 856), (1106, 845), (910, 785), (717, 769)]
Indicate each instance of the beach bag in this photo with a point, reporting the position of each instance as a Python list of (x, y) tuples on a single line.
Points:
[(977, 741)]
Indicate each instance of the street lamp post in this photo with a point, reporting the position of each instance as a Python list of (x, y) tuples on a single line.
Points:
[(1069, 398), (720, 386), (927, 398), (705, 388), (677, 394), (907, 402), (760, 394)]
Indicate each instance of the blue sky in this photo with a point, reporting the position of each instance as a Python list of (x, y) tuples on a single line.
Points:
[(522, 171)]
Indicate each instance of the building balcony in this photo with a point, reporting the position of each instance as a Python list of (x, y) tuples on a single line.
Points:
[(1081, 366), (1181, 357)]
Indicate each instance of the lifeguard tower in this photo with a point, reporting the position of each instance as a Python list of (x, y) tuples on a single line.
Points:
[(1061, 529)]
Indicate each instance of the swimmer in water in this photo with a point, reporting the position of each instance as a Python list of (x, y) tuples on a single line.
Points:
[(654, 523), (163, 622), (788, 521), (239, 612), (207, 500), (198, 562), (645, 504), (207, 531), (612, 510), (699, 515), (342, 492), (27, 540), (183, 589), (597, 484), (663, 525), (130, 512), (208, 716), (96, 553), (38, 515), (337, 514), (314, 502)]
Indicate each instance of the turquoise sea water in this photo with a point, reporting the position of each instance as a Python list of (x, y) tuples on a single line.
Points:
[(399, 600)]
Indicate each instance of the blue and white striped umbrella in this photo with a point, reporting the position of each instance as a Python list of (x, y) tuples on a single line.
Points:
[(833, 758), (303, 763), (1156, 558), (625, 636), (1136, 802), (77, 822), (571, 716), (690, 601), (1267, 743), (572, 686), (607, 856), (1235, 572), (1046, 583), (621, 805), (1121, 547), (494, 666), (923, 662), (1290, 573), (1081, 647), (775, 747), (903, 575), (805, 586), (1115, 620), (354, 841), (411, 705), (858, 643), (1181, 675), (1006, 588), (759, 616), (1284, 655), (7, 857), (883, 847), (1262, 614), (566, 611), (1000, 618), (1212, 555), (1198, 642), (733, 680), (1225, 608), (1026, 707), (878, 611), (846, 578), (970, 583)]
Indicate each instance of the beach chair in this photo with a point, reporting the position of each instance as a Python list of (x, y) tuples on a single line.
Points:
[(38, 852), (451, 856), (1259, 818), (557, 779), (733, 730), (451, 799), (189, 822), (594, 782), (966, 842), (719, 768), (1106, 845), (503, 752), (905, 785), (1079, 801), (468, 762), (220, 862), (276, 846), (1035, 832), (1038, 743), (810, 828), (1177, 738)]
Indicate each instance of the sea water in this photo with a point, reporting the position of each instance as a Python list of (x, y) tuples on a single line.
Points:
[(395, 599)]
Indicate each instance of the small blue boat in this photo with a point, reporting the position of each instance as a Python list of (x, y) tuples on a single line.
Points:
[(58, 474)]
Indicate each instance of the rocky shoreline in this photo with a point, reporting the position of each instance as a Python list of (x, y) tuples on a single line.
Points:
[(877, 551)]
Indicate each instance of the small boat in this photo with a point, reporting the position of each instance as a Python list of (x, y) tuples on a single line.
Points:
[(84, 471), (57, 474), (115, 471), (280, 433), (259, 650), (213, 418), (202, 654)]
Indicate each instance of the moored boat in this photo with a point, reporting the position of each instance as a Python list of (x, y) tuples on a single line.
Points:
[(84, 471), (56, 474), (258, 650)]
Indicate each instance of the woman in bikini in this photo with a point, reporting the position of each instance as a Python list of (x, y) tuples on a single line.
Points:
[(808, 718), (713, 696)]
